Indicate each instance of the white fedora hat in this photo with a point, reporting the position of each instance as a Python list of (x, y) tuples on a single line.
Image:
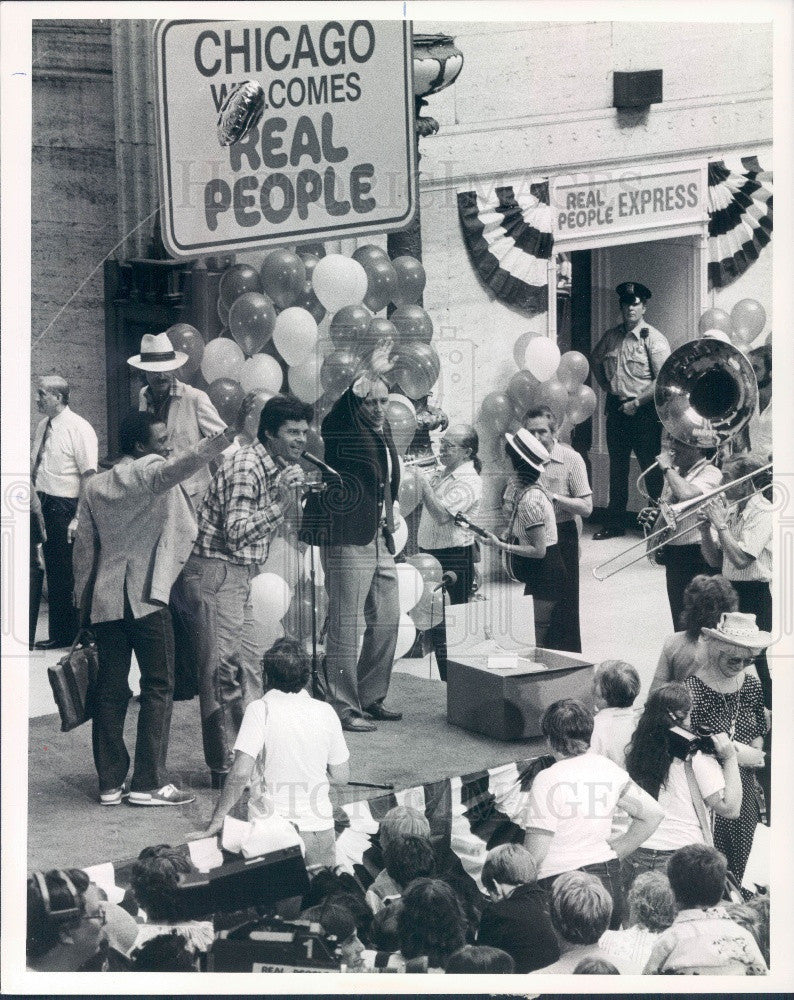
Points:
[(528, 448), (157, 354), (739, 629)]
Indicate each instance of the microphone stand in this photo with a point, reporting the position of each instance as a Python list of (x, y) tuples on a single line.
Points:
[(307, 489)]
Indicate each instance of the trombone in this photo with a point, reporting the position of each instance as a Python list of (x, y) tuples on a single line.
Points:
[(705, 394), (674, 515)]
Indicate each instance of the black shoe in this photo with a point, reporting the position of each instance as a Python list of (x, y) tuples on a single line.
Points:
[(382, 714), (51, 644), (608, 532), (355, 724)]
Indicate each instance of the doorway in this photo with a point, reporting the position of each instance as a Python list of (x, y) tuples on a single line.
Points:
[(670, 269)]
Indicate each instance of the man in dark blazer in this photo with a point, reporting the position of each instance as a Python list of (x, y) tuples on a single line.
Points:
[(353, 521), (133, 538), (517, 918)]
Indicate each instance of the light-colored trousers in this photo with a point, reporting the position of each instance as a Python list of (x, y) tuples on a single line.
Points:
[(363, 599)]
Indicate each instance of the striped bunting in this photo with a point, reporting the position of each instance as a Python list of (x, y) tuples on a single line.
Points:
[(740, 217), (468, 815), (509, 239)]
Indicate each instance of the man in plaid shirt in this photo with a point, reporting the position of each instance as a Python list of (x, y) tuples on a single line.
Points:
[(245, 503)]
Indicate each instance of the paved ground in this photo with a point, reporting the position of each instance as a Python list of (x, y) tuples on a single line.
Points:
[(626, 617)]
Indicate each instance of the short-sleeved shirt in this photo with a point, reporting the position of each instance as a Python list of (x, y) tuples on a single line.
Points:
[(70, 450), (459, 491), (575, 800), (612, 730), (629, 362), (703, 476), (752, 528), (526, 508), (240, 510), (680, 825), (565, 475), (293, 739)]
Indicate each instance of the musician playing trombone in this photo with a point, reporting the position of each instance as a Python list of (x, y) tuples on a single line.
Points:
[(688, 472)]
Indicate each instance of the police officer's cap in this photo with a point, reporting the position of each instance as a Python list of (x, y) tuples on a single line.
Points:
[(631, 293)]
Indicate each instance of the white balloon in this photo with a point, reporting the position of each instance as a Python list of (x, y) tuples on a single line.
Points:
[(222, 358), (339, 281), (304, 380), (542, 358), (400, 535), (295, 335), (718, 335), (411, 586), (270, 597), (260, 372), (406, 635)]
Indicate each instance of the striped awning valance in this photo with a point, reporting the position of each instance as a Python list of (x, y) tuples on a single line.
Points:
[(740, 217), (509, 239), (508, 232)]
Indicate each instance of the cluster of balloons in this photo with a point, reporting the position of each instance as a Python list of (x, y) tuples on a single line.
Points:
[(421, 604), (545, 378), (740, 327), (271, 328)]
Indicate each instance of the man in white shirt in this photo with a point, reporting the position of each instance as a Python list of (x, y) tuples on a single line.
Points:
[(290, 749), (63, 457)]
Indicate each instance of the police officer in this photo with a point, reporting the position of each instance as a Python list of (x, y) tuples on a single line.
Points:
[(625, 363)]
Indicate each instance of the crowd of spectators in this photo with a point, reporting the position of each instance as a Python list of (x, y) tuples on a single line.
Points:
[(635, 879)]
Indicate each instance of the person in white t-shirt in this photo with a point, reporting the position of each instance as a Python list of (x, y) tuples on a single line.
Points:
[(569, 808), (687, 790), (290, 749)]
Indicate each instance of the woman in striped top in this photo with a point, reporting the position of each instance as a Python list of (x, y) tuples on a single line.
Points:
[(531, 538)]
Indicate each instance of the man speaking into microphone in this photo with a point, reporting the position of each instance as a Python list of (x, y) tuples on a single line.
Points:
[(248, 499), (625, 363)]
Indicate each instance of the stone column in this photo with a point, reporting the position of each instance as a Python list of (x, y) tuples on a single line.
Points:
[(136, 139)]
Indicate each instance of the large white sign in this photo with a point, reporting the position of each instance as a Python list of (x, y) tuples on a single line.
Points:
[(333, 154)]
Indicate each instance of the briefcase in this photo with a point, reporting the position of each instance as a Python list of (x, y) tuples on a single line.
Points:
[(73, 681)]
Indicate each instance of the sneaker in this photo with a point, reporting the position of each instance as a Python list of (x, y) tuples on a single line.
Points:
[(113, 797), (168, 795)]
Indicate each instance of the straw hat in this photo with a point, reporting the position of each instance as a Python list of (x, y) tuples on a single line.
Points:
[(157, 354), (739, 629), (528, 448)]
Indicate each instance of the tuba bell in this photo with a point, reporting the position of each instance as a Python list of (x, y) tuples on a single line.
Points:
[(705, 393)]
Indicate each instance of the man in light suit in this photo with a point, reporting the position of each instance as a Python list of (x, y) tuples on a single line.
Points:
[(190, 416), (135, 535)]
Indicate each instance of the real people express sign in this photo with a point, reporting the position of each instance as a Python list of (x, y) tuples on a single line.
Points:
[(630, 199), (333, 154)]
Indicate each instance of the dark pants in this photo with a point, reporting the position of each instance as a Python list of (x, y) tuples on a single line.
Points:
[(58, 512), (755, 598), (610, 875), (641, 434), (563, 631), (152, 640), (459, 560), (36, 578), (682, 563), (644, 859)]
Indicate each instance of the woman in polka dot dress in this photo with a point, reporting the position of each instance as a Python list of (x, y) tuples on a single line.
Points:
[(727, 698)]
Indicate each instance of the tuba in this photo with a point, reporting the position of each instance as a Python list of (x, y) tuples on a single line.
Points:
[(705, 394)]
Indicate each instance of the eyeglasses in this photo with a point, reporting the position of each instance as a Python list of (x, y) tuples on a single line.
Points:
[(743, 660)]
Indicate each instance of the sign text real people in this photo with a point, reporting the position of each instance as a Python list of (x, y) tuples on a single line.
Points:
[(625, 201), (332, 155)]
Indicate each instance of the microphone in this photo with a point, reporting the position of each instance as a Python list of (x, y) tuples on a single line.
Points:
[(319, 464), (447, 580)]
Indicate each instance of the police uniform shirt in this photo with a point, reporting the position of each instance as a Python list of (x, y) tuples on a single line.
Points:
[(629, 361)]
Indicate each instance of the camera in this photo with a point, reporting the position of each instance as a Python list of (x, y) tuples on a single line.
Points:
[(683, 743)]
